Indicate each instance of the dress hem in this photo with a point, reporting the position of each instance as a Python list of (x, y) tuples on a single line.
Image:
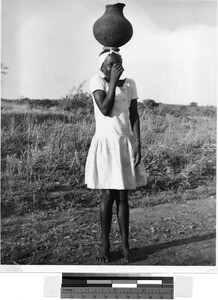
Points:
[(115, 188)]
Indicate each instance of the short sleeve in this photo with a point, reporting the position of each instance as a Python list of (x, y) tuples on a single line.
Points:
[(134, 90), (96, 83)]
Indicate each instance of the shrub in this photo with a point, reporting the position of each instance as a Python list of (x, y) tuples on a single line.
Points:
[(77, 99)]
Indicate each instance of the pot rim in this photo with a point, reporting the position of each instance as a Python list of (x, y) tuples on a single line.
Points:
[(117, 4)]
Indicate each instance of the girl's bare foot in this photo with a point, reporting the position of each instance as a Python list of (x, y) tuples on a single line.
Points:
[(126, 254), (103, 256)]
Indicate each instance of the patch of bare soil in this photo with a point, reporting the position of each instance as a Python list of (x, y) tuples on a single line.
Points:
[(174, 234), (166, 234)]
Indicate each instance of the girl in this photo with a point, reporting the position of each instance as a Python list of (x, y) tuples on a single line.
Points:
[(113, 162)]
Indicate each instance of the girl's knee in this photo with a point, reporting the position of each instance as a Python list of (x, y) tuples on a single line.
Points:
[(123, 196), (107, 195)]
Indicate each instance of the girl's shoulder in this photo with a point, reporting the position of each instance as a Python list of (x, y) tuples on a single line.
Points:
[(129, 81), (96, 83), (97, 78)]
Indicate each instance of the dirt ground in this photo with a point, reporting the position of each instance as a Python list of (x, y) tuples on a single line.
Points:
[(181, 234), (171, 234), (166, 234)]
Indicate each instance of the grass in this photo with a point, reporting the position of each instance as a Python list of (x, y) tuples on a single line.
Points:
[(44, 145), (178, 153), (44, 152)]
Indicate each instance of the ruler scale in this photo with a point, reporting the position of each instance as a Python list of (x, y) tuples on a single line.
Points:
[(115, 286)]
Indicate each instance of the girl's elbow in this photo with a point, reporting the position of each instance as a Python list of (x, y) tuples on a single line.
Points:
[(105, 112)]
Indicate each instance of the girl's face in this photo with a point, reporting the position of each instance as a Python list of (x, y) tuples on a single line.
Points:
[(110, 60)]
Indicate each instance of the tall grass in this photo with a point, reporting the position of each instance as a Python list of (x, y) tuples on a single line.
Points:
[(178, 152), (44, 149)]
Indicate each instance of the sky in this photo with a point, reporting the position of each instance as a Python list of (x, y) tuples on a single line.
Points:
[(49, 48)]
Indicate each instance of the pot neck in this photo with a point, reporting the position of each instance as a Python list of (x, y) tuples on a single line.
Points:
[(118, 6)]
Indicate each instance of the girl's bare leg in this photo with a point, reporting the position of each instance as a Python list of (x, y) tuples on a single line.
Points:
[(123, 219), (105, 218)]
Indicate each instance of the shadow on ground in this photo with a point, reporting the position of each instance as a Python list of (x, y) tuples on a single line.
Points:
[(141, 253)]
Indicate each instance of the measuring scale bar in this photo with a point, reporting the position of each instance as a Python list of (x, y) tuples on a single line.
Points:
[(102, 286)]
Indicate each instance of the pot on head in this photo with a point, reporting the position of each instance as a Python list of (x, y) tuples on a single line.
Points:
[(113, 29)]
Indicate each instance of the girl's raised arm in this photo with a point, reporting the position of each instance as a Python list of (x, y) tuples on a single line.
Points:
[(105, 102)]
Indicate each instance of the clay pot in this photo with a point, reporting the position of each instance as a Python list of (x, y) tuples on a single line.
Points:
[(113, 29)]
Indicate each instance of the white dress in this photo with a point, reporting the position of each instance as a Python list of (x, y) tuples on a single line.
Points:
[(110, 161)]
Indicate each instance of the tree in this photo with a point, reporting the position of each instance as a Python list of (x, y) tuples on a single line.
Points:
[(150, 103)]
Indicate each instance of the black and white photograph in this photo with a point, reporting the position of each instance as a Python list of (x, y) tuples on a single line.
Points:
[(108, 132)]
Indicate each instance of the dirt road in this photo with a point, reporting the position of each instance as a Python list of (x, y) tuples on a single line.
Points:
[(181, 234), (166, 234), (171, 234)]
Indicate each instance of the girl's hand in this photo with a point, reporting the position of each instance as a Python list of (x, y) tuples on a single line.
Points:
[(116, 71), (137, 157)]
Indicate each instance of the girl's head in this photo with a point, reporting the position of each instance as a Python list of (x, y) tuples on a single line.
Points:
[(106, 60)]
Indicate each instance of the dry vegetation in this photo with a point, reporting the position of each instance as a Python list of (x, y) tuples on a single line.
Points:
[(44, 146)]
